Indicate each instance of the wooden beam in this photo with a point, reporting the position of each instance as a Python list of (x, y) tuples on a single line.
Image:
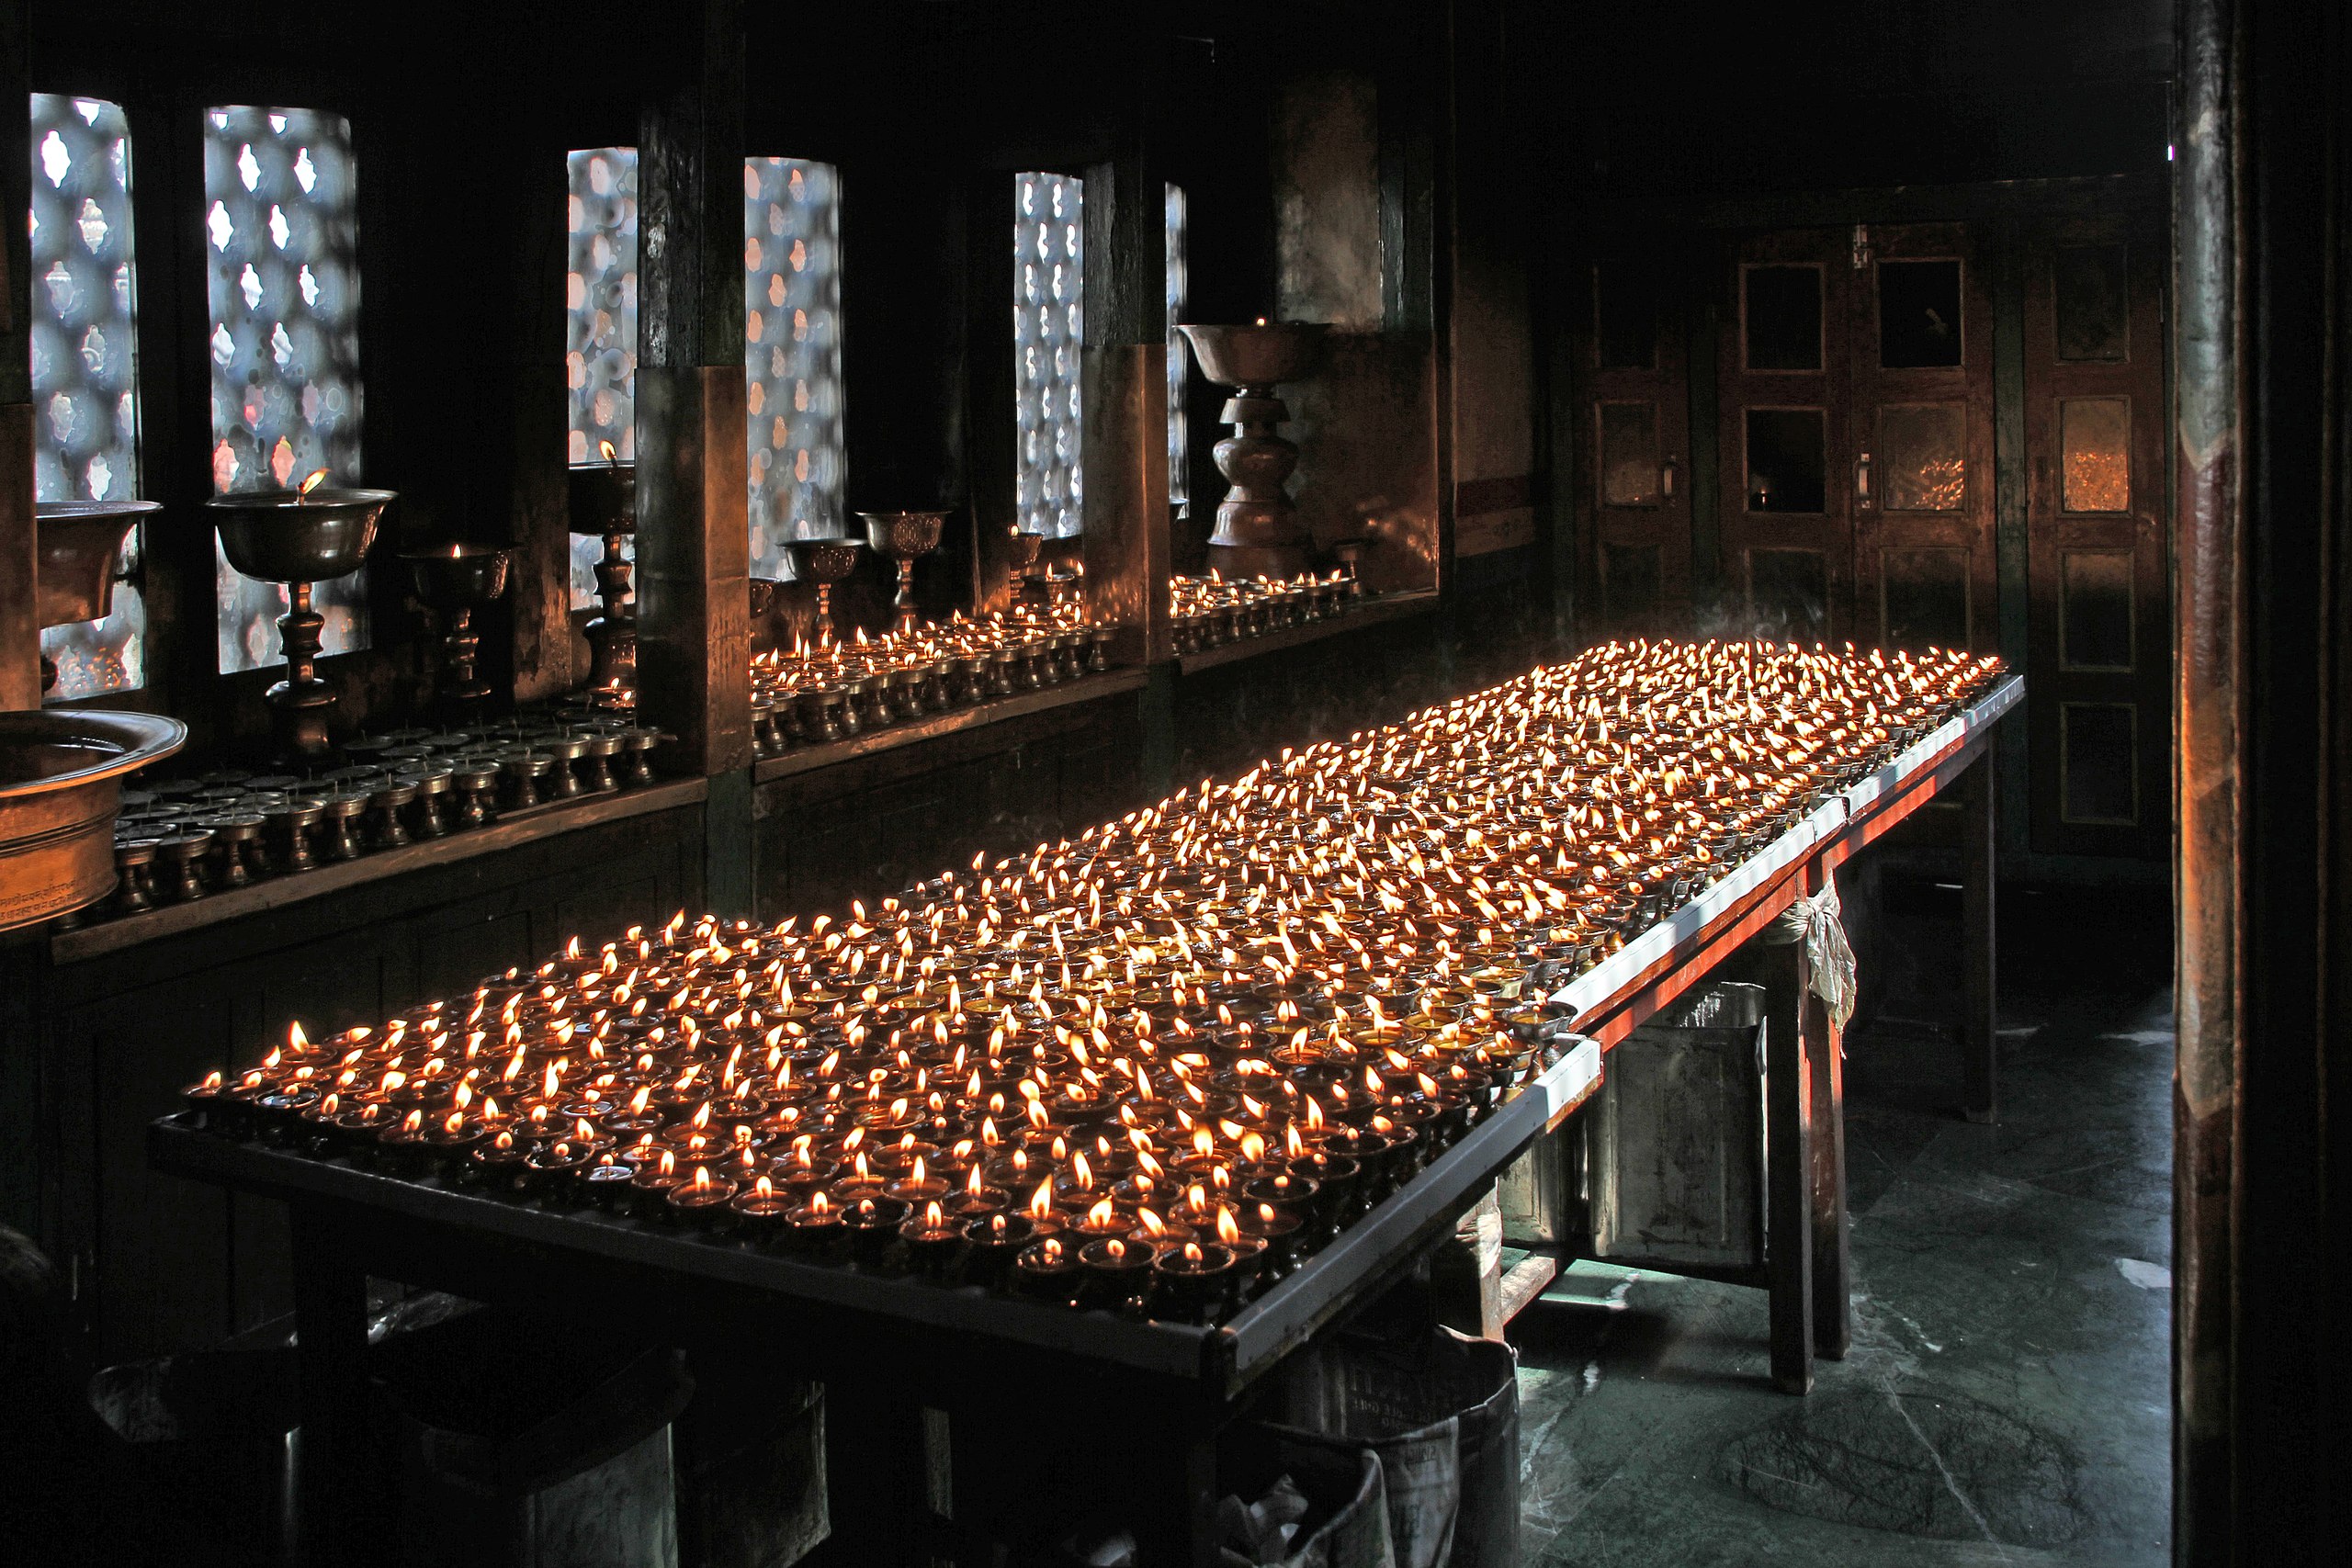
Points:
[(694, 533), (19, 621)]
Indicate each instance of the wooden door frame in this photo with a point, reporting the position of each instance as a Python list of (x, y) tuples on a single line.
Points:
[(1871, 387), (2052, 532)]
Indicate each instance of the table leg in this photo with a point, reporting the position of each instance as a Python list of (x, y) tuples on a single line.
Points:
[(1979, 1043), (1788, 1167), (1180, 1529), (877, 1472), (1832, 1316), (331, 1329)]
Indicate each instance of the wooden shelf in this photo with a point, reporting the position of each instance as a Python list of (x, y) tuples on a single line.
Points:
[(1372, 613), (1085, 689), (277, 892)]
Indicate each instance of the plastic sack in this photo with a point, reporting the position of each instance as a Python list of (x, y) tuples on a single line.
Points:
[(1818, 922)]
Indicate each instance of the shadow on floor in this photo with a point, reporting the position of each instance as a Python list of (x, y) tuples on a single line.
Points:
[(2006, 1397)]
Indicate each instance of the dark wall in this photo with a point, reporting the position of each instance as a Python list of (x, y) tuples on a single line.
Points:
[(1678, 97)]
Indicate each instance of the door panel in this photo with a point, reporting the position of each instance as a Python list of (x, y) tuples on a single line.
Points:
[(1784, 499), (2097, 710), (1634, 445), (1921, 342)]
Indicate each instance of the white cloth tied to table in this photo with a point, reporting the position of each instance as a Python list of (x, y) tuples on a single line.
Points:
[(1816, 922)]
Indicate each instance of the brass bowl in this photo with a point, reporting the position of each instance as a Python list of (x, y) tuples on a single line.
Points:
[(603, 498), (902, 535), (79, 541), (1264, 354), (60, 773), (282, 536)]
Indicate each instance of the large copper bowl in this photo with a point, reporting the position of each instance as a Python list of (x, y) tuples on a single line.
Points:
[(79, 541), (283, 535), (60, 774), (1264, 354)]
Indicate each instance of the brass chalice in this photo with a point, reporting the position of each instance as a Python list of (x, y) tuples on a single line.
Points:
[(824, 562), (903, 535), (603, 504)]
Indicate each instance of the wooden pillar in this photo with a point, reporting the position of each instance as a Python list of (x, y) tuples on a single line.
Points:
[(692, 538), (1980, 1040), (19, 621), (2262, 349), (538, 512), (1124, 371), (1788, 1166)]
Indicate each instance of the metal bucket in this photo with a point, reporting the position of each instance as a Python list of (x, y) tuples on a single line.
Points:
[(61, 777)]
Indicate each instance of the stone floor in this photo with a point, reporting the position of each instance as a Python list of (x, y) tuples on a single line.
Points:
[(2006, 1396)]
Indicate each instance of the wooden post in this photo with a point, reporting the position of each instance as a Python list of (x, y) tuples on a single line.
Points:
[(1125, 370), (19, 621), (694, 531), (877, 1474), (1788, 1167), (331, 1525), (1180, 1529), (1832, 1290), (1979, 1039)]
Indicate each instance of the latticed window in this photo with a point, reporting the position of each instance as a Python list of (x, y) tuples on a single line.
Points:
[(792, 355), (1180, 290), (85, 363), (281, 231), (600, 312), (1048, 331)]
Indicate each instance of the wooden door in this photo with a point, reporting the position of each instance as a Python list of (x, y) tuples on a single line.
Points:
[(1920, 425), (2098, 708), (1785, 452), (1633, 447)]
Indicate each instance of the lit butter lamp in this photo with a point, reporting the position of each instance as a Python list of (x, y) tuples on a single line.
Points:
[(454, 580), (1190, 1046), (311, 534)]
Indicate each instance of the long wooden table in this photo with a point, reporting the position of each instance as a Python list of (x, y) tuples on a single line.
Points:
[(1806, 1266), (886, 1345)]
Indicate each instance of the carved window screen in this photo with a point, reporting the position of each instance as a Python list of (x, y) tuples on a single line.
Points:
[(792, 357), (1048, 333), (281, 240), (85, 296), (1180, 291), (600, 327)]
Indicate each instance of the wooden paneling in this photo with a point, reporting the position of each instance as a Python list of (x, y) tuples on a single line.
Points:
[(161, 1264), (871, 826)]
